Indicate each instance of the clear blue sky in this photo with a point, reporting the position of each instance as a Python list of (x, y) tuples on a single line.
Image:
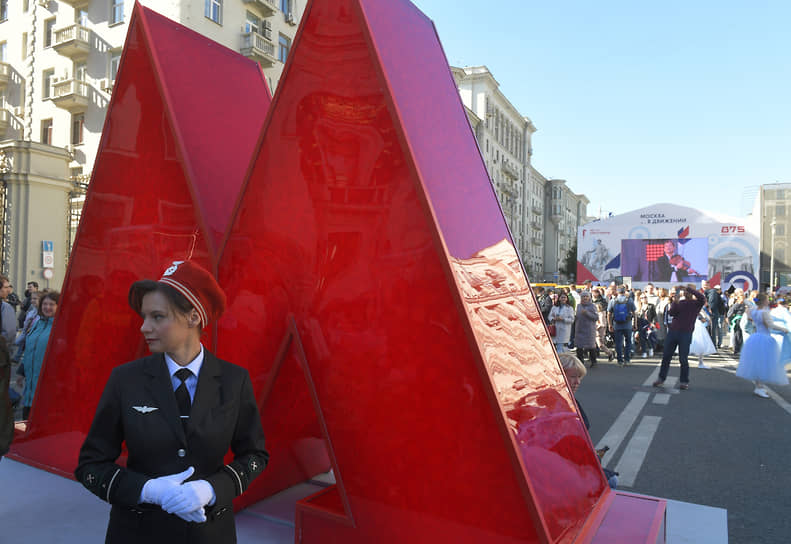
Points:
[(639, 102)]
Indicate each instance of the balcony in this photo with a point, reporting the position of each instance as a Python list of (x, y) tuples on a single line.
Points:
[(266, 7), (258, 48), (510, 170), (70, 94), (5, 119), (5, 75), (73, 41), (536, 223)]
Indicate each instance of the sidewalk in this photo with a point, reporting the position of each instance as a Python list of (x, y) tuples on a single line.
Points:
[(38, 506)]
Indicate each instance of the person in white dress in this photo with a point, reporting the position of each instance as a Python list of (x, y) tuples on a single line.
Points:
[(781, 315), (760, 357), (562, 316), (701, 340)]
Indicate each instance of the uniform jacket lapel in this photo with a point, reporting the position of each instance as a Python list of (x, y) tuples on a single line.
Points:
[(208, 394), (160, 387)]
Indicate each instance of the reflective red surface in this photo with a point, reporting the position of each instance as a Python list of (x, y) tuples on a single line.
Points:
[(165, 182), (373, 289), (427, 372)]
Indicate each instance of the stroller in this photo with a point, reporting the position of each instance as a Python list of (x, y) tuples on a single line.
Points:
[(609, 340)]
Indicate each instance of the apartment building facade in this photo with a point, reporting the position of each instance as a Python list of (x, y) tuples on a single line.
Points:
[(772, 207), (566, 212), (542, 214), (58, 63)]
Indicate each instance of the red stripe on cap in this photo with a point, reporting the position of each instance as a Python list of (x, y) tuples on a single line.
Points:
[(181, 288)]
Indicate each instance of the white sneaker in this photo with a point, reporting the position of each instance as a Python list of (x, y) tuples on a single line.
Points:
[(761, 392), (650, 353), (645, 355), (704, 366)]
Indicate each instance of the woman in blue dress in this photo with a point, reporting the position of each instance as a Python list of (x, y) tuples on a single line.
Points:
[(760, 357), (36, 346)]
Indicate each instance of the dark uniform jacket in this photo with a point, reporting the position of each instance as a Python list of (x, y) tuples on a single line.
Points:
[(139, 407)]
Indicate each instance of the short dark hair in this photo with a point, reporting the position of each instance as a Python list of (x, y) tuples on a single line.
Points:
[(140, 289), (33, 283)]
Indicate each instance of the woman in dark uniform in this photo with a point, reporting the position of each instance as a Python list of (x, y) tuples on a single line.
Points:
[(178, 410)]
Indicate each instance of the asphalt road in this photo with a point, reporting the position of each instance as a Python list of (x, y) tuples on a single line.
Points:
[(715, 444)]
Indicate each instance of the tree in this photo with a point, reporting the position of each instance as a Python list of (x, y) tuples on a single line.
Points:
[(569, 267)]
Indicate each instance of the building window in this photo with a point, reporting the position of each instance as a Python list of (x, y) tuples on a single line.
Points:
[(24, 45), (49, 30), (77, 128), (3, 51), (285, 47), (46, 83), (3, 10), (115, 61), (780, 230), (80, 71), (252, 23), (46, 131), (213, 10), (81, 17), (116, 11)]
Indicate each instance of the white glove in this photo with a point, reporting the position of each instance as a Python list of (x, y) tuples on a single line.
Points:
[(197, 516), (187, 498), (154, 490)]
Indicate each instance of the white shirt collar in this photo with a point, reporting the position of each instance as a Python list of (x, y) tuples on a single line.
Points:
[(194, 366)]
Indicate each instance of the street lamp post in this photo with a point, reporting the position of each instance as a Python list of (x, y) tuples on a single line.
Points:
[(772, 256)]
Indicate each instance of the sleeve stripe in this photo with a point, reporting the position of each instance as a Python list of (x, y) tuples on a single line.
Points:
[(109, 487), (238, 479)]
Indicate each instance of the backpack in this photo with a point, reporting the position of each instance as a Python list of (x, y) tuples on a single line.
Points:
[(620, 312)]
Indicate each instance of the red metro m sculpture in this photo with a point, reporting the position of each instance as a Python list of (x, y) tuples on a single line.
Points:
[(375, 296), (164, 186), (383, 309)]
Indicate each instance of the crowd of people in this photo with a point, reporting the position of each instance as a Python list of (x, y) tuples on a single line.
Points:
[(620, 322), (25, 326)]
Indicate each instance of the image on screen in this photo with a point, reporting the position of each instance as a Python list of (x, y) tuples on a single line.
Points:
[(665, 259)]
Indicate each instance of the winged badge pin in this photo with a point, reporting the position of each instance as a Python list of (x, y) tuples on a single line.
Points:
[(145, 409)]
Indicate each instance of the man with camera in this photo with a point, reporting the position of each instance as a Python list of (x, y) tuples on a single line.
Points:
[(681, 316)]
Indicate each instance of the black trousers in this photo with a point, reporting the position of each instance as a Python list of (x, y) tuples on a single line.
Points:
[(591, 354)]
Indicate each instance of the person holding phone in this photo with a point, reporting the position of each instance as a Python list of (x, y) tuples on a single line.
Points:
[(682, 313)]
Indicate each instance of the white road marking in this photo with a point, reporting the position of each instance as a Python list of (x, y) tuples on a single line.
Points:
[(661, 398), (652, 378), (670, 382), (623, 423), (636, 450), (779, 400)]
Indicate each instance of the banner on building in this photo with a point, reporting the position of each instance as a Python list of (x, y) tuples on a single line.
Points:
[(666, 244)]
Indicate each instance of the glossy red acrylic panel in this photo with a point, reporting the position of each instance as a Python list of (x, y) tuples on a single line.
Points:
[(165, 181), (369, 220)]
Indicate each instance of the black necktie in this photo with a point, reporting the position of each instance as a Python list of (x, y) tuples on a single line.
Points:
[(183, 396)]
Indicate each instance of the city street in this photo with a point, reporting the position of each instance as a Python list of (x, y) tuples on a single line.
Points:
[(715, 444)]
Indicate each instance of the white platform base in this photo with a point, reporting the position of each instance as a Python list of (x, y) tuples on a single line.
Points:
[(36, 506)]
